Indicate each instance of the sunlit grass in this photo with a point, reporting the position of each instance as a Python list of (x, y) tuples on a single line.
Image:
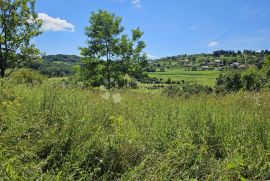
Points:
[(52, 132), (207, 77)]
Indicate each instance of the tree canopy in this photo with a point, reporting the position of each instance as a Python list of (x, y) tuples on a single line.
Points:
[(18, 24), (110, 54)]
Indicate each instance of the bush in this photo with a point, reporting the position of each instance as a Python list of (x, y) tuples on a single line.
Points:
[(27, 76), (186, 89), (169, 81), (229, 81), (252, 79)]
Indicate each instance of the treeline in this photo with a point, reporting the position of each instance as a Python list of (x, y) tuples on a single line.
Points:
[(225, 56), (61, 58), (219, 53)]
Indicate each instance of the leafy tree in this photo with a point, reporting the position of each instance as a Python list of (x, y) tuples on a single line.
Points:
[(266, 66), (132, 63), (18, 24), (110, 54), (104, 31), (229, 81), (252, 79)]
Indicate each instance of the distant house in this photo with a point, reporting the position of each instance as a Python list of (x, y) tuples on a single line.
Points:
[(221, 68), (205, 67), (217, 63), (235, 65)]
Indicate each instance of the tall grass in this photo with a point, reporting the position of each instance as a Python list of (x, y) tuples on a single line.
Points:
[(53, 132)]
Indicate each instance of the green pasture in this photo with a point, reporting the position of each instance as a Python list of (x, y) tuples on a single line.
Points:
[(207, 77)]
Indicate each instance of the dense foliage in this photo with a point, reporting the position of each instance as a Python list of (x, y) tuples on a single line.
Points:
[(18, 24), (54, 132), (27, 76), (62, 58), (110, 55), (251, 79), (56, 65)]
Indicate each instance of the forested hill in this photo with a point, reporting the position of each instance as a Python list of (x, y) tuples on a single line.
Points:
[(61, 58), (56, 65)]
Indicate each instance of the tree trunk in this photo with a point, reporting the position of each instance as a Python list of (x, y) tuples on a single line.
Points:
[(108, 67), (109, 73), (2, 73), (2, 64)]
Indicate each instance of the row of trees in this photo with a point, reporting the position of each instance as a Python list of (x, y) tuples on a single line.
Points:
[(219, 53)]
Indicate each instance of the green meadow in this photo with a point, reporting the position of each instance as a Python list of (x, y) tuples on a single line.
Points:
[(115, 112), (207, 77), (52, 131)]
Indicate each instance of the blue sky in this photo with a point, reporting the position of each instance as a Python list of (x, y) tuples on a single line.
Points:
[(171, 27)]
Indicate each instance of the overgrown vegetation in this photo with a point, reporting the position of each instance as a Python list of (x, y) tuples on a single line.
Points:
[(18, 24), (71, 130), (251, 79), (27, 76), (54, 132)]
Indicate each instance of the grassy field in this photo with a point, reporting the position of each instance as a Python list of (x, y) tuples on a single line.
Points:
[(54, 132), (176, 74)]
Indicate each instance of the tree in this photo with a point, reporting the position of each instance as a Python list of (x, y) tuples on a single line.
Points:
[(229, 81), (252, 79), (18, 24), (266, 67), (110, 54), (132, 62)]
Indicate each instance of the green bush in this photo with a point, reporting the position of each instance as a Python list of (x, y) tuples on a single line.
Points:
[(186, 89), (251, 79), (27, 76), (229, 81)]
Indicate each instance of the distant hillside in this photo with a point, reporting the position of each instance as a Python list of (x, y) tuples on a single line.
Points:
[(221, 59), (247, 56), (56, 65), (61, 58)]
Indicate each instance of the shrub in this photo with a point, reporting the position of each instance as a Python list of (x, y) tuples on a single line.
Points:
[(251, 79), (27, 76), (169, 81), (229, 81), (186, 89)]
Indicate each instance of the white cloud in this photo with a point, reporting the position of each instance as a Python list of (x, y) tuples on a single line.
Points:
[(136, 3), (151, 56), (54, 24), (213, 44)]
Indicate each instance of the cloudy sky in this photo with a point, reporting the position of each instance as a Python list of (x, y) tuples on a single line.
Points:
[(171, 27)]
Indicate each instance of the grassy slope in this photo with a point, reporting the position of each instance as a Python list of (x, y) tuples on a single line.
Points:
[(203, 77), (51, 132)]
